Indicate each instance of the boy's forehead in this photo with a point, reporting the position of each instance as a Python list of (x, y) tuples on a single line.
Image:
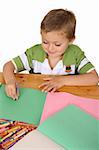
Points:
[(54, 35)]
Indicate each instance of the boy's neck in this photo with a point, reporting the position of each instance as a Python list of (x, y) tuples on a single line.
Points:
[(55, 58), (53, 61)]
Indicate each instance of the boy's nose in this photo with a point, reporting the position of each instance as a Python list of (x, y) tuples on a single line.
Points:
[(50, 47)]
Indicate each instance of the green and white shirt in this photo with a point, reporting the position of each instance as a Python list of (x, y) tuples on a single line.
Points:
[(35, 61)]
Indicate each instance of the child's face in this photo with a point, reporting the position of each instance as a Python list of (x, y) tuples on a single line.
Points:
[(54, 43)]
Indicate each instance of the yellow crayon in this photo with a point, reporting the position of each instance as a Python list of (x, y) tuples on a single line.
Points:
[(20, 133), (8, 135), (13, 129)]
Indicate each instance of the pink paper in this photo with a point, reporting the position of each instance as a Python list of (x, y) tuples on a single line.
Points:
[(57, 101)]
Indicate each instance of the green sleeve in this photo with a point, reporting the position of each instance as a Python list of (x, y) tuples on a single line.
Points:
[(83, 65), (18, 64), (25, 60)]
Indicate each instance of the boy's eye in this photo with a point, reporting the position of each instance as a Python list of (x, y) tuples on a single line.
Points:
[(57, 44), (44, 42)]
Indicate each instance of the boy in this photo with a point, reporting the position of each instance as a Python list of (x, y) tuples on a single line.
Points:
[(55, 56)]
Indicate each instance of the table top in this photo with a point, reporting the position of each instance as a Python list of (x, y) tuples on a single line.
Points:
[(34, 80)]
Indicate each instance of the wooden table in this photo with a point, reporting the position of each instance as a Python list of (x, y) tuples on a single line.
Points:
[(34, 80)]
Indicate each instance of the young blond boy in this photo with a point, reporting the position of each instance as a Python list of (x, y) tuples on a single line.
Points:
[(56, 55)]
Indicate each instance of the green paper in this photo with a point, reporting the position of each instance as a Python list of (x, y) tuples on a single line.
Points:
[(28, 108), (73, 129)]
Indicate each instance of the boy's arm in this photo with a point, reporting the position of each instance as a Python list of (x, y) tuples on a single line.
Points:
[(55, 82), (11, 86), (87, 79), (8, 72)]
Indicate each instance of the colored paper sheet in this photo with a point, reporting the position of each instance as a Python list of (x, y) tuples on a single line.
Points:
[(28, 108), (57, 101), (37, 141), (72, 128)]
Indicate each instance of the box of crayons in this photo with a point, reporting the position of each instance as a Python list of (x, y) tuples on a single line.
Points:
[(12, 131)]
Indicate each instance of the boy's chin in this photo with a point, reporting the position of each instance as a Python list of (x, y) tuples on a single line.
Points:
[(54, 56)]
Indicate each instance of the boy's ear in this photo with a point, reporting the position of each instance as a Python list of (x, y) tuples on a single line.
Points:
[(72, 40)]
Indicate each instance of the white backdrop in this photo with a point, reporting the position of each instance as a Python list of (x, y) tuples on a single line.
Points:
[(20, 25)]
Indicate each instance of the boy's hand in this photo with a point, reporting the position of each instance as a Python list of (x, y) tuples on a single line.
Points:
[(51, 84), (12, 91)]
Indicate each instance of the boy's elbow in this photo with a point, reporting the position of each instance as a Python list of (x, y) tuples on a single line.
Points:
[(6, 65), (9, 65), (96, 79)]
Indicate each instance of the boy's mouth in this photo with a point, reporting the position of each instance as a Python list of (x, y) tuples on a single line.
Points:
[(51, 53)]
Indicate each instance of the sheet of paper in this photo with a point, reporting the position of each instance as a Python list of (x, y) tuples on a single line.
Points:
[(72, 128), (57, 101), (28, 108), (36, 141)]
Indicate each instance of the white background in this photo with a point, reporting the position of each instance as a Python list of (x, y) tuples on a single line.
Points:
[(20, 25)]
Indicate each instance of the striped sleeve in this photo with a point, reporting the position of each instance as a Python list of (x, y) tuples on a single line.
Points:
[(22, 62), (83, 64)]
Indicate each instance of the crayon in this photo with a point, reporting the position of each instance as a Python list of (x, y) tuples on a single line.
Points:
[(13, 129), (2, 119), (3, 134), (11, 141), (1, 122), (20, 133), (25, 124), (8, 135), (6, 124), (11, 144), (8, 138), (8, 144), (17, 92), (3, 129)]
